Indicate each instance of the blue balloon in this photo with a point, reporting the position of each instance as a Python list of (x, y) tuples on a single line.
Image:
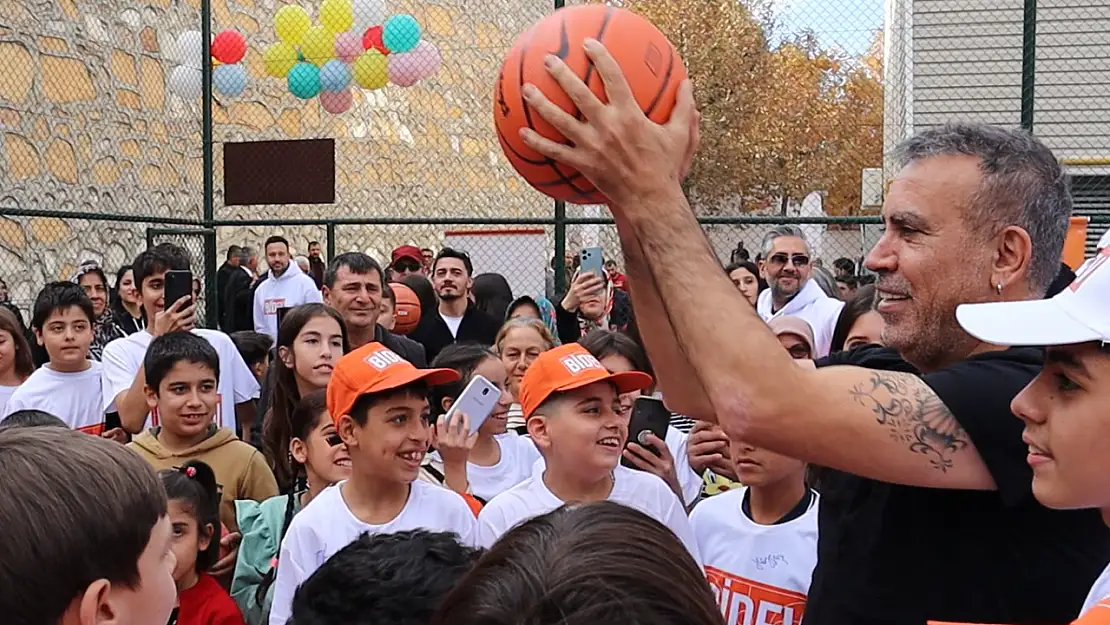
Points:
[(304, 80), (229, 80), (401, 33), (335, 76)]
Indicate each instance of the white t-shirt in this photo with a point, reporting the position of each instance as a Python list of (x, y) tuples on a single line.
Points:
[(123, 358), (5, 395), (72, 397), (518, 455), (688, 479), (453, 324), (327, 525), (635, 489), (1100, 591), (759, 573)]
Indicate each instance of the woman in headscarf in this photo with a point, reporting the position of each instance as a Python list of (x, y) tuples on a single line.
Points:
[(591, 303), (90, 277), (537, 308)]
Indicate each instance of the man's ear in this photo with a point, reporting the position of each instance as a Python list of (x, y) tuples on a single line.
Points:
[(1012, 256), (326, 293), (151, 396)]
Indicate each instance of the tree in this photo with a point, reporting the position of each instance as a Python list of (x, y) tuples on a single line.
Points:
[(780, 121)]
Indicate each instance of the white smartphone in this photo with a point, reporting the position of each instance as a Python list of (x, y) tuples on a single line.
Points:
[(477, 401)]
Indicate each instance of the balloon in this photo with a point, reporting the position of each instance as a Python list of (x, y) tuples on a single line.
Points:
[(336, 102), (229, 80), (367, 13), (229, 47), (335, 76), (371, 70), (427, 59), (279, 58), (186, 82), (188, 50), (348, 46), (304, 80), (372, 40), (318, 45), (290, 23), (401, 33), (336, 15)]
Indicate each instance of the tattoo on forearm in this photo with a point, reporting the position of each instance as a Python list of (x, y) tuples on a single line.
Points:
[(915, 416)]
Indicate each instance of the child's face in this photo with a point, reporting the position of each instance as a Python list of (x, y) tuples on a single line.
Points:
[(386, 317), (1067, 427), (392, 443), (66, 334), (188, 540), (7, 351), (186, 399), (315, 351), (619, 364), (153, 598), (325, 463), (759, 467), (583, 430)]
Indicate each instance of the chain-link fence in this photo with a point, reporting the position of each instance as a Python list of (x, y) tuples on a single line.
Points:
[(106, 133)]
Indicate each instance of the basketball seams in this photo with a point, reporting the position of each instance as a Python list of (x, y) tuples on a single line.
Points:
[(663, 87)]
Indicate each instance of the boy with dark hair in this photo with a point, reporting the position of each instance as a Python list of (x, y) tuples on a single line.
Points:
[(572, 406), (69, 384), (380, 579), (123, 378), (379, 403), (31, 419), (255, 348), (89, 536), (181, 370)]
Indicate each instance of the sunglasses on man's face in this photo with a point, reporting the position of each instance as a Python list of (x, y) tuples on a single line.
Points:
[(406, 265), (799, 260)]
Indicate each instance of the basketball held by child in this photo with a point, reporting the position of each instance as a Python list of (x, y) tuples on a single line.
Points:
[(406, 313), (651, 66)]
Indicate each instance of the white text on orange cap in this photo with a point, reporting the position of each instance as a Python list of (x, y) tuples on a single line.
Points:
[(577, 363), (383, 359)]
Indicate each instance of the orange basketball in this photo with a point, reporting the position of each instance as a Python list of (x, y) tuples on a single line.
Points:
[(407, 312), (650, 63)]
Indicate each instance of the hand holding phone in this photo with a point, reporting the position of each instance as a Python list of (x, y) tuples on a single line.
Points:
[(477, 401), (178, 285), (649, 415), (592, 260)]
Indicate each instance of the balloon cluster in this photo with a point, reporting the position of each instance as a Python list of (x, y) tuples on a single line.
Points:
[(354, 43), (229, 77)]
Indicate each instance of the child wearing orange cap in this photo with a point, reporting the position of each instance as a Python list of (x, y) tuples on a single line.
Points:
[(380, 406), (572, 407)]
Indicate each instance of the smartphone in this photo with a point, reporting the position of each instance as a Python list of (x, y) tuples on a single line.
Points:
[(592, 259), (648, 415), (477, 401), (179, 285)]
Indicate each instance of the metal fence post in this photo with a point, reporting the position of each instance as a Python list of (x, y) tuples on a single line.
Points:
[(211, 312), (1028, 63), (331, 240), (560, 267)]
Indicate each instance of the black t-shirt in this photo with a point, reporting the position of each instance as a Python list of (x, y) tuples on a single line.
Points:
[(900, 555)]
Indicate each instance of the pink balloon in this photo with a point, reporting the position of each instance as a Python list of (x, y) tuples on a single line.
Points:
[(427, 58), (336, 102), (408, 68), (348, 46)]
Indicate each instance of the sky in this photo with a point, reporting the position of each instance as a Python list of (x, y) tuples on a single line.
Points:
[(846, 24)]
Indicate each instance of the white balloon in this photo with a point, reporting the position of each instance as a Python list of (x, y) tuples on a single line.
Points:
[(189, 50), (186, 82), (367, 13)]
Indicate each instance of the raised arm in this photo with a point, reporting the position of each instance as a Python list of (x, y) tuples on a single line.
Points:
[(841, 417)]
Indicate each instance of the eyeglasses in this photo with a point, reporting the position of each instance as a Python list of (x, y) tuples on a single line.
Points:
[(406, 265), (799, 260)]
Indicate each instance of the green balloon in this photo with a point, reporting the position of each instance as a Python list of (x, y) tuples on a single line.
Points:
[(304, 80)]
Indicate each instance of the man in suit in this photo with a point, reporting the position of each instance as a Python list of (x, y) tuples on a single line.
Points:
[(455, 320), (231, 264), (237, 312)]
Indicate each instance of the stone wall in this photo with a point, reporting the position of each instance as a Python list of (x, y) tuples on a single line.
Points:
[(87, 124)]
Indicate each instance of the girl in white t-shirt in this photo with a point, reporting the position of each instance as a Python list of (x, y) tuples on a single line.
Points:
[(492, 461), (759, 543), (15, 357)]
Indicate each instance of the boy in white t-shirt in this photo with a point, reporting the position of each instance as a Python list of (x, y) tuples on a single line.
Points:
[(122, 377), (1066, 408), (68, 386), (759, 542), (572, 407), (379, 403)]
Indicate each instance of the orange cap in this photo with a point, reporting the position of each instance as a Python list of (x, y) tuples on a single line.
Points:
[(566, 368), (374, 368)]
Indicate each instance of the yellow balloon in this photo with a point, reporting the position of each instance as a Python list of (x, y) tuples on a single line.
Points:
[(318, 45), (336, 15), (279, 58), (291, 23), (371, 70)]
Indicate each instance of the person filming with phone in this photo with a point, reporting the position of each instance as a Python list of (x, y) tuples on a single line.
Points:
[(592, 302)]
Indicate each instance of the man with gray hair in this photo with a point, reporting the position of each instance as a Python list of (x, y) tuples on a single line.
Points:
[(237, 313), (787, 266), (927, 512)]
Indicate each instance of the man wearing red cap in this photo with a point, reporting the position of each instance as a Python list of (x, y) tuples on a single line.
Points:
[(406, 261), (572, 406)]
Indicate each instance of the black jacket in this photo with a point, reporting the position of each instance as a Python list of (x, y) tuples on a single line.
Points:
[(237, 312), (432, 332)]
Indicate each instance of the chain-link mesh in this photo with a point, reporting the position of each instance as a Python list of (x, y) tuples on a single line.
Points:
[(192, 241)]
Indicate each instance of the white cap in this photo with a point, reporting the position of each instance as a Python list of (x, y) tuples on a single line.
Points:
[(1104, 242), (1078, 314)]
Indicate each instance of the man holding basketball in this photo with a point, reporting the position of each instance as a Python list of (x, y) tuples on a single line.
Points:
[(928, 514)]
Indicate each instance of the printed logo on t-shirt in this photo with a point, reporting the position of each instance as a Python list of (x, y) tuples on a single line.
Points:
[(218, 419), (1087, 269), (271, 306), (383, 359), (577, 363), (746, 602)]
